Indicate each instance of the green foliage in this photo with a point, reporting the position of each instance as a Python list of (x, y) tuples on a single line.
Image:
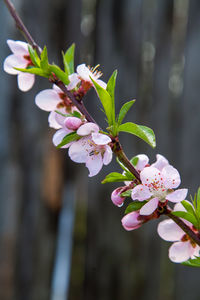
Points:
[(123, 111), (44, 64), (126, 193), (187, 216), (143, 132), (192, 262), (33, 70), (68, 59), (135, 205), (116, 177), (134, 160), (196, 204), (127, 172), (59, 73), (72, 136), (111, 91), (34, 56)]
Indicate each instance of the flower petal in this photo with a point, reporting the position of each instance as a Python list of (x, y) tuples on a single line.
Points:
[(101, 83), (13, 61), (100, 139), (58, 137), (180, 251), (107, 157), (94, 164), (160, 163), (72, 123), (140, 192), (52, 120), (142, 161), (169, 231), (149, 207), (74, 80), (87, 129), (84, 72), (18, 47), (130, 221), (78, 151), (47, 100), (25, 81), (171, 177), (116, 198), (150, 176), (177, 196)]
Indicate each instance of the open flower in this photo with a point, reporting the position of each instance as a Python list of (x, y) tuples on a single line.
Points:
[(183, 248), (19, 59), (84, 74), (157, 184), (92, 149)]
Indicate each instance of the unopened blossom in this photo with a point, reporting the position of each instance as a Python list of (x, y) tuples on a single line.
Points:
[(157, 185), (183, 247), (92, 148), (84, 74), (132, 221), (19, 59), (53, 100), (116, 197)]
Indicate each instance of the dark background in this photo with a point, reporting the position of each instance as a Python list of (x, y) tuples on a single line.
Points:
[(60, 235)]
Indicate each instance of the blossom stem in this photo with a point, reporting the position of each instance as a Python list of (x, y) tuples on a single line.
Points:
[(183, 226)]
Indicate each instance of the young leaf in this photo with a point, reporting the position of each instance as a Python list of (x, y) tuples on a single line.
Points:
[(59, 73), (126, 193), (34, 56), (106, 101), (32, 70), (72, 136), (123, 167), (188, 206), (187, 216), (143, 132), (123, 111), (115, 177), (111, 90), (192, 262), (68, 60), (135, 205), (134, 160), (44, 64)]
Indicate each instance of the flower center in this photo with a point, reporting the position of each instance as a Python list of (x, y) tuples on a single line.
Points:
[(157, 188)]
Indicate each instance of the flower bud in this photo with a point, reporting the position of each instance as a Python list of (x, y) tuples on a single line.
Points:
[(130, 221), (72, 123), (116, 198)]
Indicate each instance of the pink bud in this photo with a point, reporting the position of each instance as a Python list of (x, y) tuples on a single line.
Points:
[(116, 198), (130, 221), (72, 123)]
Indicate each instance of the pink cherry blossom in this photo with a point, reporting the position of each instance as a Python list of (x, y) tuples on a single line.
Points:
[(19, 59), (157, 184), (84, 74), (92, 149), (116, 198), (132, 221), (183, 248)]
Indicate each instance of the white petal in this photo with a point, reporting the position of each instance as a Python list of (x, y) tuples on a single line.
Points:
[(130, 221), (47, 100), (74, 80), (150, 175), (94, 164), (149, 207), (180, 251), (84, 72), (18, 47), (25, 81), (196, 251), (100, 139), (78, 152), (140, 192), (142, 161), (58, 137), (169, 231), (171, 177), (52, 120), (107, 157), (177, 196), (87, 129), (160, 163), (13, 61)]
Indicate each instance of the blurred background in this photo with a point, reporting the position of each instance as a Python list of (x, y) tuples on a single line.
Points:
[(60, 235)]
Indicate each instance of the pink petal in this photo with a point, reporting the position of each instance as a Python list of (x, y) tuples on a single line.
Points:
[(60, 119), (196, 251), (72, 123), (107, 157), (116, 198), (180, 251), (13, 61), (150, 175), (171, 177), (78, 151), (100, 139), (140, 192), (160, 163), (130, 221), (58, 137), (94, 164), (87, 129), (177, 196), (25, 81), (52, 120), (18, 47), (169, 231), (74, 80), (47, 100), (142, 161), (149, 207)]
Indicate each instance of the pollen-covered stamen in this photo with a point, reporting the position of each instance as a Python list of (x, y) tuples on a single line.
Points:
[(97, 74), (156, 187)]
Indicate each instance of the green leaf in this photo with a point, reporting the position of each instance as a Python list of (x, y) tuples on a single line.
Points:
[(72, 136), (111, 90), (125, 168), (68, 60), (115, 177), (34, 56), (59, 73), (192, 262), (44, 64), (135, 205), (32, 70), (134, 160), (143, 132), (126, 193), (187, 216), (188, 206), (198, 202), (106, 101), (123, 111)]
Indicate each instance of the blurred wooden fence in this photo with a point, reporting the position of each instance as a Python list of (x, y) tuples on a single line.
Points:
[(49, 208)]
